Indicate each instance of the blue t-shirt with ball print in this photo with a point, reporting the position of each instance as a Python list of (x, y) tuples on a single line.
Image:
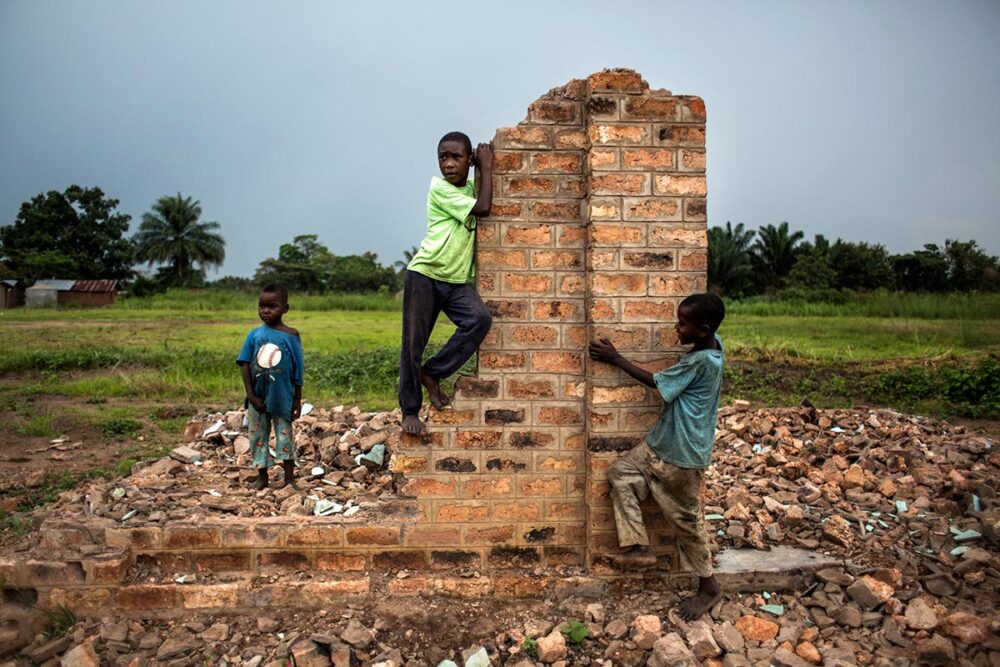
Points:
[(276, 364)]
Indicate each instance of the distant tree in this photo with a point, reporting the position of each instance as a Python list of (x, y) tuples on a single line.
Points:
[(360, 273), (401, 264), (774, 253), (303, 265), (812, 268), (171, 234), (969, 268), (729, 259), (72, 234), (861, 266), (921, 270), (234, 283)]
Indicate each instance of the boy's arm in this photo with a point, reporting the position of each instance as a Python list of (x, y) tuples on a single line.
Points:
[(298, 376), (603, 350), (297, 402), (257, 403), (484, 180)]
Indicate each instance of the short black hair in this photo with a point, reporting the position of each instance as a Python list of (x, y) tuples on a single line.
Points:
[(461, 137), (276, 288), (705, 309)]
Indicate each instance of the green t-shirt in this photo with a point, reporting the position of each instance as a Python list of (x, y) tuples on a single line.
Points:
[(448, 250)]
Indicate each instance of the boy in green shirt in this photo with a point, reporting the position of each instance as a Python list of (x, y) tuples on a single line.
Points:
[(439, 277)]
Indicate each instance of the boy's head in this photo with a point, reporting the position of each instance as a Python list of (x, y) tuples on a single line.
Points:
[(698, 317), (455, 157), (273, 303)]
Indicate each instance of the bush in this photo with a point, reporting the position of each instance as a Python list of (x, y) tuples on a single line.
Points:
[(972, 391)]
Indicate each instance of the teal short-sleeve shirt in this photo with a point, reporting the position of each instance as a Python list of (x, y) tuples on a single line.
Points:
[(449, 249), (685, 432)]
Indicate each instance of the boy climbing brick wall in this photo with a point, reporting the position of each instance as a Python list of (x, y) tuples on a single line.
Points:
[(597, 228)]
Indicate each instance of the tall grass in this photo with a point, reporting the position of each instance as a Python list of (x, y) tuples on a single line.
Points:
[(881, 303), (214, 300)]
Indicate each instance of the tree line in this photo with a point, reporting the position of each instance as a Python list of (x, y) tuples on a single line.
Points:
[(773, 259)]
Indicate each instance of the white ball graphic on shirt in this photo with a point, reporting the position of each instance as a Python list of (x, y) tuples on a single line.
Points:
[(269, 355)]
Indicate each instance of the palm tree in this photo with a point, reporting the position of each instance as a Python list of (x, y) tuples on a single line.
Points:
[(729, 257), (407, 256), (171, 234), (775, 252)]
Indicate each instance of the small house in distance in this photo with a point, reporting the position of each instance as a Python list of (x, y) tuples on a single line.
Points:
[(85, 293), (12, 292)]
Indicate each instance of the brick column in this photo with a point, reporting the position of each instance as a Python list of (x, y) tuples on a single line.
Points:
[(598, 229)]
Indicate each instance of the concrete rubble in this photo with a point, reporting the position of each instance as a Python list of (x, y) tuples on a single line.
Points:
[(906, 507)]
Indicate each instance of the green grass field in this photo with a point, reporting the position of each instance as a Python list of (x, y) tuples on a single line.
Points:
[(180, 346)]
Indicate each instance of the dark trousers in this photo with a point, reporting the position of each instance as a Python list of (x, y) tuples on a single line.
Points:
[(423, 299)]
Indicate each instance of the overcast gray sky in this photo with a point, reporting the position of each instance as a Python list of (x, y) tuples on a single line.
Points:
[(869, 120)]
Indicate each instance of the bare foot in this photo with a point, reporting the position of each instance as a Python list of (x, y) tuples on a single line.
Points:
[(635, 556), (709, 592), (289, 478), (261, 482), (434, 393), (412, 425)]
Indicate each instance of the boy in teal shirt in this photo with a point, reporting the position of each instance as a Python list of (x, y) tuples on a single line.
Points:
[(671, 463), (438, 277)]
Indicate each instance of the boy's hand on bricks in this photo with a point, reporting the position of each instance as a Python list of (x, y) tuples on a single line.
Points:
[(603, 350), (484, 156)]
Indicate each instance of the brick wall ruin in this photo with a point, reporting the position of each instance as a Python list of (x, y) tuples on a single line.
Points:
[(597, 229)]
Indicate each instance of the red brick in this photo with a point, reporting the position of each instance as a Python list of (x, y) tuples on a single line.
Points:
[(616, 80), (695, 210), (554, 111), (694, 261), (678, 236), (602, 310), (497, 487), (572, 235), (507, 210), (692, 160), (623, 337), (652, 159), (317, 594), (523, 137), (558, 259), (604, 159), (542, 486), (501, 360), (107, 571), (411, 586), (614, 395), (530, 185), (148, 596), (660, 260), (284, 560), (509, 309), (473, 387), (462, 513), (528, 235), (138, 538), (529, 439), (425, 487), (650, 108), (636, 420), (692, 109), (439, 417), (517, 511), (617, 183), (652, 208), (667, 184), (529, 390), (570, 139), (556, 163), (535, 283), (572, 284), (373, 535), (680, 135), (554, 464), (648, 310), (451, 560), (490, 535), (189, 537), (619, 135), (340, 562), (505, 162), (573, 186), (670, 284), (618, 283), (575, 337), (472, 587), (564, 510), (499, 416), (502, 259), (605, 209), (404, 464), (616, 234), (560, 211), (598, 259), (602, 421), (399, 560), (558, 415), (556, 362), (215, 596), (486, 282), (477, 439), (534, 334), (38, 572), (555, 310)]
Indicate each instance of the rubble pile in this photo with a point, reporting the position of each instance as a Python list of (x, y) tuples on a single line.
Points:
[(342, 469)]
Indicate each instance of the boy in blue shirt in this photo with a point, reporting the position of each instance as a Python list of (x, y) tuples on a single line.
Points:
[(671, 463), (439, 275), (271, 364)]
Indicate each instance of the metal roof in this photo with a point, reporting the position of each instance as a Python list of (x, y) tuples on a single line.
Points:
[(58, 285), (95, 286)]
